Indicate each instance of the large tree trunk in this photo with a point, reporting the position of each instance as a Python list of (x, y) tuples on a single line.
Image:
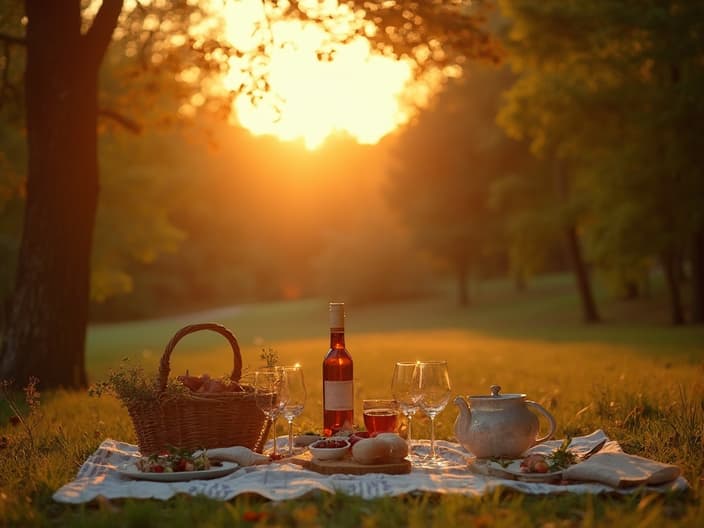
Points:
[(49, 312), (698, 277)]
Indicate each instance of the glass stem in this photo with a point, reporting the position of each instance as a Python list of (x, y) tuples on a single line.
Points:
[(432, 437), (273, 426), (290, 437), (409, 437)]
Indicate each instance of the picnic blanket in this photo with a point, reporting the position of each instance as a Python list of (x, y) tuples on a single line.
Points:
[(99, 476)]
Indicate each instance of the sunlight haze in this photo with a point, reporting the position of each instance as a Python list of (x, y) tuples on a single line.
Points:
[(357, 91)]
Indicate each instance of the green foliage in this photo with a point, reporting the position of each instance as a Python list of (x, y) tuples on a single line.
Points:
[(117, 242), (444, 165), (608, 88), (130, 383)]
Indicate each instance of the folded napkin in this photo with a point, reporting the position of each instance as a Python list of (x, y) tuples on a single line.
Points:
[(620, 470), (238, 454)]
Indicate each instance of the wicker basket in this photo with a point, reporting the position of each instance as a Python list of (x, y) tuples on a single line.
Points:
[(196, 420)]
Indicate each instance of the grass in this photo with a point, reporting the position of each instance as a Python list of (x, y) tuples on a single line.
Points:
[(634, 376)]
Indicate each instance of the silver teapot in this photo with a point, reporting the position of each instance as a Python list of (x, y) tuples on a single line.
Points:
[(499, 425)]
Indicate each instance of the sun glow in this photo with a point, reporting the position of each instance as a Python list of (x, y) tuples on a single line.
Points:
[(352, 89)]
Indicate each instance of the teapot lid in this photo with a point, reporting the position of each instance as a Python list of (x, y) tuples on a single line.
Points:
[(494, 396)]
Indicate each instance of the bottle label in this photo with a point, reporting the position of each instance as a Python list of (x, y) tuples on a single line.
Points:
[(338, 395)]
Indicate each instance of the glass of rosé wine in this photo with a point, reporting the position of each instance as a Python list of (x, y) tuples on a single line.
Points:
[(380, 416)]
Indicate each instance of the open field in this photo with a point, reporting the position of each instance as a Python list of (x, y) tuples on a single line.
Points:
[(634, 376)]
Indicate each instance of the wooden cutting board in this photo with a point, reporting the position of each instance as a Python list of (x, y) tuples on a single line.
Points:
[(348, 466)]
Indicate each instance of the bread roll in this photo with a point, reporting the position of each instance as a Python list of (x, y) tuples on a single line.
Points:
[(398, 448), (371, 451)]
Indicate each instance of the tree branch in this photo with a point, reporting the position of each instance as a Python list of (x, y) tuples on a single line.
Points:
[(98, 37), (129, 124), (11, 39)]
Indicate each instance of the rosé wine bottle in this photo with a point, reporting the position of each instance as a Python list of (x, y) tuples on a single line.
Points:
[(338, 390)]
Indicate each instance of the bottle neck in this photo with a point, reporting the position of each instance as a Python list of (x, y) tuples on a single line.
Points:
[(337, 338)]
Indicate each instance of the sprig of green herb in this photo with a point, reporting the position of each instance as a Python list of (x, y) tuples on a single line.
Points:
[(562, 457), (130, 383), (270, 356)]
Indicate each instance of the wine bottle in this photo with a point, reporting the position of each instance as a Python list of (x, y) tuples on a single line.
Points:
[(338, 391)]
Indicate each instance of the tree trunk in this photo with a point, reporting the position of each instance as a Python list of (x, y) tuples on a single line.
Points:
[(581, 274), (673, 287), (462, 280), (698, 277), (49, 312), (631, 291), (574, 248)]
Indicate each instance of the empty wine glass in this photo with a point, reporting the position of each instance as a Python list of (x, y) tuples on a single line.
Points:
[(271, 394), (434, 392), (403, 383), (296, 399)]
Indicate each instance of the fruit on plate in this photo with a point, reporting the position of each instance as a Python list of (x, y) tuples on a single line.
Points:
[(173, 461), (560, 458), (535, 463)]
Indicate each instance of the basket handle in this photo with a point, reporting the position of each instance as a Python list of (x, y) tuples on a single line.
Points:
[(165, 366)]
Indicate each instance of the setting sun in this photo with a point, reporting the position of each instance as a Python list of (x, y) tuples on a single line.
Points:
[(353, 89)]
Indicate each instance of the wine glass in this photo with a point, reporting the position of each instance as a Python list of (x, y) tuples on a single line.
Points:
[(433, 390), (296, 399), (403, 382), (271, 394)]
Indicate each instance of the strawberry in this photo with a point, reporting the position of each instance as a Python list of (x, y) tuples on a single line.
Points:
[(540, 467)]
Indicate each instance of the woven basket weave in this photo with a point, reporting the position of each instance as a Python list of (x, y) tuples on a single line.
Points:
[(199, 420)]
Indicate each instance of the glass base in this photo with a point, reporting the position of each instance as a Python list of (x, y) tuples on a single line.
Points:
[(427, 462), (445, 459)]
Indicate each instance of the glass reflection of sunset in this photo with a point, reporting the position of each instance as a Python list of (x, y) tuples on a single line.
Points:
[(358, 91)]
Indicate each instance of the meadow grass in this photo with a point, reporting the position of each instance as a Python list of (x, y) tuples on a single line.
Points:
[(633, 376)]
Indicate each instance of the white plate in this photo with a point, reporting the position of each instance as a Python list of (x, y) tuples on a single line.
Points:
[(130, 470), (512, 470)]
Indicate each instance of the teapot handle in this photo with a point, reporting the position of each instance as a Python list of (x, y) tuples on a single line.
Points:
[(542, 410)]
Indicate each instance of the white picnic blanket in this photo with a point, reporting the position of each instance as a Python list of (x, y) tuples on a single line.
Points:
[(99, 476)]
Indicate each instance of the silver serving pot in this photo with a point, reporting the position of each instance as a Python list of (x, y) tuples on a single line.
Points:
[(499, 425)]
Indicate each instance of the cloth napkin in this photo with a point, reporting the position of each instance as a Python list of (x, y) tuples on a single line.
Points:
[(238, 454), (620, 470)]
